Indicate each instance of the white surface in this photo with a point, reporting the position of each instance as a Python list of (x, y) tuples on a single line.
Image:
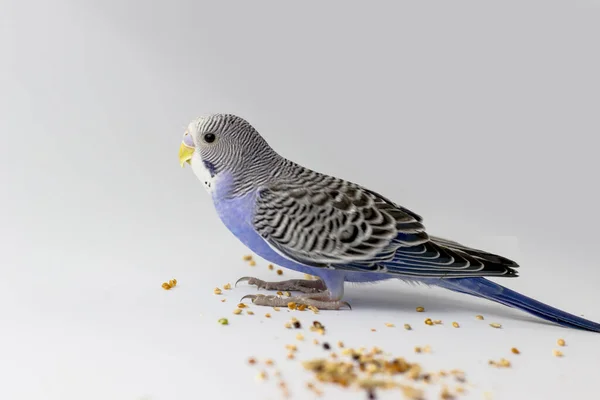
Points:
[(496, 108)]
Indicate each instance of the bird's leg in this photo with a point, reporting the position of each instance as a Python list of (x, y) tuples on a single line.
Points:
[(322, 301), (299, 285)]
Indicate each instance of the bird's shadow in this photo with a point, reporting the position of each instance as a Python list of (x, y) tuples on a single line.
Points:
[(379, 297)]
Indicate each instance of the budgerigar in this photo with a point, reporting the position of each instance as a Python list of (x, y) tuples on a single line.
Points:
[(331, 228)]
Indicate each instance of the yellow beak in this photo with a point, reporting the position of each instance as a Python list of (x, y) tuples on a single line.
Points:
[(185, 154)]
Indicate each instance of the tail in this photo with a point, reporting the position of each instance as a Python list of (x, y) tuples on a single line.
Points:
[(481, 287)]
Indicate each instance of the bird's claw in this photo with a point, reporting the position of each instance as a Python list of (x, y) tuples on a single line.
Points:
[(243, 279)]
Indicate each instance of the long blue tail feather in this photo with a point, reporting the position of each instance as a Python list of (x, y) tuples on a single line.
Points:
[(481, 287)]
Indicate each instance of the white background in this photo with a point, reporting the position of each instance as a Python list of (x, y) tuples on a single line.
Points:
[(482, 118)]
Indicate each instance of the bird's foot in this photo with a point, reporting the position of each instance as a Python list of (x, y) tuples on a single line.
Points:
[(299, 285), (320, 301)]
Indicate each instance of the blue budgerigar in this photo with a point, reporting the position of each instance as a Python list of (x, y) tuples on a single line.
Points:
[(333, 229)]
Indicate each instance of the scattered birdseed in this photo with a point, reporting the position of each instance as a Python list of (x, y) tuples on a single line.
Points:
[(279, 293), (503, 363), (173, 282), (314, 309), (455, 324), (288, 325), (251, 361), (459, 389), (242, 305), (418, 349), (301, 307), (480, 317), (271, 267), (300, 336), (223, 300), (237, 311), (276, 308), (227, 286), (250, 312), (340, 344), (290, 356), (297, 324), (437, 322), (561, 342), (318, 327), (279, 272), (291, 347), (223, 321), (315, 341), (514, 350), (267, 315), (326, 346), (166, 286), (247, 257), (217, 291), (427, 349), (428, 321), (420, 309), (252, 263), (262, 375), (389, 325), (373, 330), (288, 294), (407, 327), (291, 305), (557, 353), (269, 362), (495, 325)]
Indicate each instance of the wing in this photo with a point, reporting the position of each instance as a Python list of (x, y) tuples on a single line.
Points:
[(324, 221)]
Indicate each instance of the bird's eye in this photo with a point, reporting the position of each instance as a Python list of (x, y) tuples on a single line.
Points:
[(209, 137)]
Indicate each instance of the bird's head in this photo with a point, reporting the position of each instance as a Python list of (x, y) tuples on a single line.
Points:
[(224, 142)]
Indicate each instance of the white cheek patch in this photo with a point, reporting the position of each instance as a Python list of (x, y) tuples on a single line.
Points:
[(203, 174)]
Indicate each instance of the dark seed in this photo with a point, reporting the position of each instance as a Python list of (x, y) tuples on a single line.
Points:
[(326, 346), (297, 324)]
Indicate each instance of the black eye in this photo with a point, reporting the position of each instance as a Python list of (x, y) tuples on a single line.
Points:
[(209, 137)]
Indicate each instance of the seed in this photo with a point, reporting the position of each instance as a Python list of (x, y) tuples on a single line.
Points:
[(418, 349), (308, 277), (427, 349), (514, 350), (373, 330), (326, 346), (557, 353), (315, 341), (269, 362), (290, 356), (242, 305), (297, 324), (504, 363), (561, 342), (445, 394), (173, 282), (437, 321), (271, 267), (252, 263), (223, 321), (301, 307), (279, 272), (288, 294), (420, 309), (291, 305), (428, 321), (495, 325), (279, 293), (456, 325), (291, 347), (480, 317), (407, 327), (460, 389), (288, 325), (250, 312), (340, 344), (333, 355), (276, 308), (227, 286), (389, 325), (247, 257), (261, 376), (251, 361), (223, 300), (217, 291), (314, 309), (166, 286), (237, 311), (267, 315), (300, 336)]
